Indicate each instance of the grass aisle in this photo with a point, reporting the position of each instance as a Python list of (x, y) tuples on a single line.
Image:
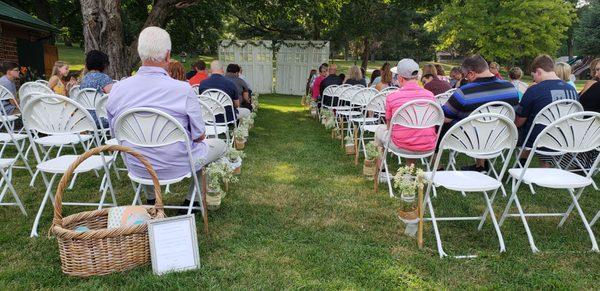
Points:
[(303, 216)]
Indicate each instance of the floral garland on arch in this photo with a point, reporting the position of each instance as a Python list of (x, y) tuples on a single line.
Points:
[(244, 43), (275, 44)]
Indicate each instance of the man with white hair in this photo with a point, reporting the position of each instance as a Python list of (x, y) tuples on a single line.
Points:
[(153, 88), (217, 80)]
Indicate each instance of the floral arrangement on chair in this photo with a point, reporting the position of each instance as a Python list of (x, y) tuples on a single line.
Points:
[(240, 135), (371, 155), (218, 172), (234, 158)]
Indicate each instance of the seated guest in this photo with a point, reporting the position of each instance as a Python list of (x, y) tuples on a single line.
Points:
[(364, 74), (591, 99), (331, 79), (95, 64), (548, 88), (312, 75), (153, 88), (375, 76), (482, 87), (434, 84), (495, 69), (200, 75), (441, 74), (242, 88), (386, 77), (456, 77), (407, 139), (594, 75), (60, 71), (515, 74), (193, 71), (176, 70), (218, 81), (563, 71), (8, 81), (323, 72), (355, 77)]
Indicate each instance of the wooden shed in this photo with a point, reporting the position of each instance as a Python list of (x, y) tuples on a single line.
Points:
[(26, 40)]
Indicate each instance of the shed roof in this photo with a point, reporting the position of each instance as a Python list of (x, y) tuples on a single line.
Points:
[(11, 14)]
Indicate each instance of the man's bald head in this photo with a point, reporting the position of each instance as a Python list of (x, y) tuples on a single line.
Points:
[(216, 67)]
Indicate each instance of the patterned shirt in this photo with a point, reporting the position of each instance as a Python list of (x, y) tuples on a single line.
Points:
[(95, 80)]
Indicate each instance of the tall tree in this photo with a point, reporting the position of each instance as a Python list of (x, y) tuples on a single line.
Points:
[(103, 29), (587, 34), (504, 30)]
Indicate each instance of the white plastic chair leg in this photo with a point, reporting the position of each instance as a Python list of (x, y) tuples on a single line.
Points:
[(38, 216), (570, 209), (585, 223), (595, 218), (136, 198), (7, 175), (493, 219), (515, 199), (438, 239), (387, 176)]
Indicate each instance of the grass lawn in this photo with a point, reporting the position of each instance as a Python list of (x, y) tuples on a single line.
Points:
[(302, 216)]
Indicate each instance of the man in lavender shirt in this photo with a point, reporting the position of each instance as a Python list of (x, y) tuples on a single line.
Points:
[(153, 88)]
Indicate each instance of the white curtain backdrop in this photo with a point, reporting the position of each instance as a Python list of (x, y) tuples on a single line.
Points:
[(255, 58), (295, 59)]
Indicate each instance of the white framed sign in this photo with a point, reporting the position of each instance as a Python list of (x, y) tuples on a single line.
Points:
[(173, 244)]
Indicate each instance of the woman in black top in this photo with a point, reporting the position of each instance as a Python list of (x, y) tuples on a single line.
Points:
[(355, 77), (590, 99)]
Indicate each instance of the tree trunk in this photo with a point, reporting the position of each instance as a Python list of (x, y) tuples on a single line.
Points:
[(365, 54), (103, 31), (346, 50)]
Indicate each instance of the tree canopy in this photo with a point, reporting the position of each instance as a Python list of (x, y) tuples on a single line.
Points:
[(587, 34)]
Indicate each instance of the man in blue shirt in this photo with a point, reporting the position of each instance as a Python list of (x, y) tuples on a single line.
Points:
[(218, 81), (548, 88)]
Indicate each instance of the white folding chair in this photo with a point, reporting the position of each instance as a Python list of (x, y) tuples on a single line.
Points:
[(344, 110), (359, 103), (104, 136), (442, 98), (419, 114), (34, 87), (216, 109), (546, 116), (224, 99), (372, 116), (151, 128), (329, 94), (595, 218), (389, 90), (73, 91), (46, 83), (56, 115), (196, 89), (8, 135), (477, 136), (575, 133)]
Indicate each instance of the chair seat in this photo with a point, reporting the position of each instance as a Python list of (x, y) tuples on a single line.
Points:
[(5, 137), (9, 118), (349, 113), (551, 178), (210, 130), (341, 108), (468, 181), (112, 141), (409, 154), (370, 127), (364, 120), (161, 182), (60, 164), (62, 139)]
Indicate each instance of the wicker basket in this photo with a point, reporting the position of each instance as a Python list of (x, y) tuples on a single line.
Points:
[(101, 251)]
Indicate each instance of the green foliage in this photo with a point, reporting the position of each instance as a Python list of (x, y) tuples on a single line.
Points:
[(505, 30), (372, 152), (233, 154), (587, 34), (408, 179)]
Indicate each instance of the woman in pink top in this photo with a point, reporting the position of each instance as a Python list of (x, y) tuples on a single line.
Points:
[(407, 139), (323, 72)]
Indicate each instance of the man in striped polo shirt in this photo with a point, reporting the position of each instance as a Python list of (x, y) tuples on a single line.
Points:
[(482, 87)]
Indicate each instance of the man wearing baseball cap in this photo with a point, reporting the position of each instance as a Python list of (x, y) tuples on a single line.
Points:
[(403, 138)]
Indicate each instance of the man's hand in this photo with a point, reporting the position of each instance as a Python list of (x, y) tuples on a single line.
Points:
[(201, 138)]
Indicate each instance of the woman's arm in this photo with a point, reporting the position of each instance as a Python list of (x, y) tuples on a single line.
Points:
[(53, 82)]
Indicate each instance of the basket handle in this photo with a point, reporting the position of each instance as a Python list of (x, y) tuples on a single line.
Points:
[(57, 220)]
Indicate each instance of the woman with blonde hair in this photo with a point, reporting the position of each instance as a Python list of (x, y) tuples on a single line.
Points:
[(176, 70), (56, 82), (355, 77), (386, 77), (563, 71)]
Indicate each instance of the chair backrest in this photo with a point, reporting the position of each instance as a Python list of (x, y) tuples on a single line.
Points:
[(349, 93), (46, 83), (389, 89), (376, 105), (442, 98), (208, 116), (149, 127), (215, 106), (483, 135), (56, 114), (101, 106), (363, 96), (87, 97), (73, 91), (419, 113), (574, 133), (196, 89), (220, 96), (5, 94), (557, 110), (330, 90), (34, 87), (498, 107)]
